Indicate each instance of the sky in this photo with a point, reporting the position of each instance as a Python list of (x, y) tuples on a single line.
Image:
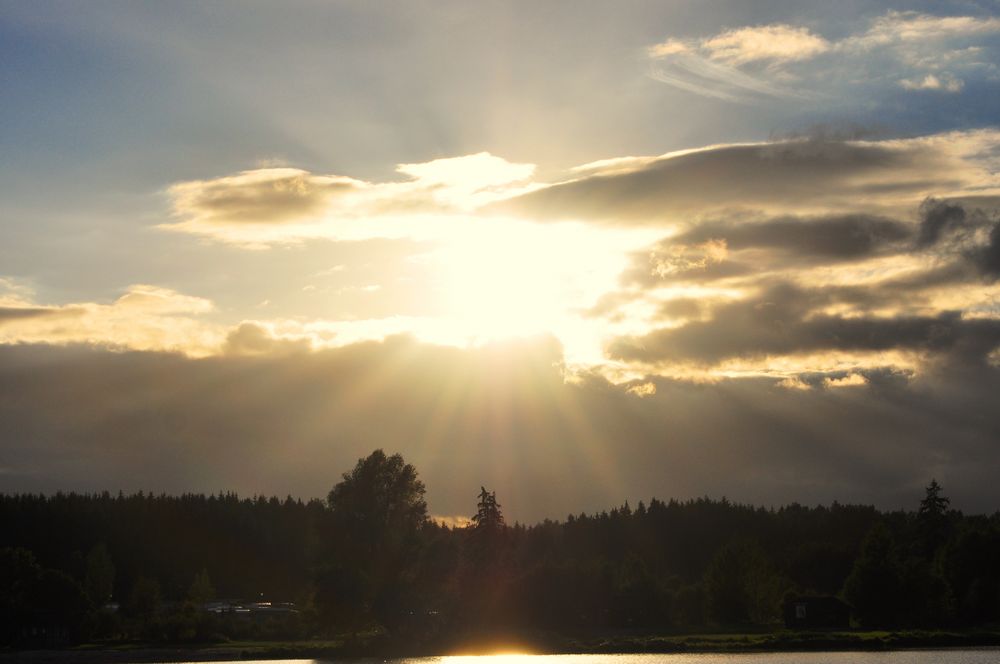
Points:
[(580, 253)]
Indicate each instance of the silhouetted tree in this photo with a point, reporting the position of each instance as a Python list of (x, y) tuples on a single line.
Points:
[(639, 600), (688, 606), (368, 555), (342, 595), (58, 605), (934, 505), (488, 515), (99, 582), (487, 530), (377, 513), (741, 586), (145, 601), (201, 590), (970, 563), (19, 574), (875, 586), (933, 528)]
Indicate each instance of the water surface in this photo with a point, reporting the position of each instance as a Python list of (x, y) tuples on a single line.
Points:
[(974, 656)]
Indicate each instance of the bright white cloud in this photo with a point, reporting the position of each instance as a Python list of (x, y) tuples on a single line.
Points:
[(778, 43), (668, 47), (266, 206), (470, 181)]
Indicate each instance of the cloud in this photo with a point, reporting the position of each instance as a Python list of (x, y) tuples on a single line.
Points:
[(502, 416), (987, 257), (849, 380), (737, 248), (680, 258), (266, 195), (784, 319), (837, 237), (253, 339), (901, 27), (452, 521), (764, 331), (642, 390), (446, 198), (711, 66), (152, 318), (8, 314), (144, 317), (656, 250), (798, 177), (746, 64), (668, 47), (694, 73), (266, 206), (932, 82), (952, 227), (787, 294), (938, 218), (776, 43)]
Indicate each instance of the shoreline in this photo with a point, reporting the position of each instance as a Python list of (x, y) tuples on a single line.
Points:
[(722, 643)]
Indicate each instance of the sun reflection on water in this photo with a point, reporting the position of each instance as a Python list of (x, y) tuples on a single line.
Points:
[(495, 658)]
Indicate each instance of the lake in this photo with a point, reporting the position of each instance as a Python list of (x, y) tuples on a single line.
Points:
[(975, 656)]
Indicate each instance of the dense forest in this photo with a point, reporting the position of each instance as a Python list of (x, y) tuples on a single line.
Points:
[(183, 568)]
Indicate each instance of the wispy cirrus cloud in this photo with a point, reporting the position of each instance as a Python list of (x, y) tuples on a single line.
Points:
[(908, 27), (915, 51), (694, 73)]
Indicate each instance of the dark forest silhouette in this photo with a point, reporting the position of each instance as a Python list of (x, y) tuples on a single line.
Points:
[(148, 567)]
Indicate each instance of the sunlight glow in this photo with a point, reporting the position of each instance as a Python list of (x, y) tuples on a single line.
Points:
[(504, 278)]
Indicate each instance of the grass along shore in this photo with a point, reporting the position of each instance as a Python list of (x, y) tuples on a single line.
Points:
[(728, 642)]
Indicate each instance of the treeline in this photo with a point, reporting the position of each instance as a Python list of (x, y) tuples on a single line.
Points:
[(75, 567)]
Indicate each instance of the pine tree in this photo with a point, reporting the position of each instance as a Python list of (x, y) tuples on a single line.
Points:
[(934, 505), (488, 516), (933, 527)]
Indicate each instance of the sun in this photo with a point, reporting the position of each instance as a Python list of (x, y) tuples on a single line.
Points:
[(504, 278), (502, 284)]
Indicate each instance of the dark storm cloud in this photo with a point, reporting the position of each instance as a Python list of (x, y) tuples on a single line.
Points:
[(782, 175), (722, 249), (960, 237), (987, 257), (938, 218), (963, 228), (78, 418), (780, 322), (841, 237)]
